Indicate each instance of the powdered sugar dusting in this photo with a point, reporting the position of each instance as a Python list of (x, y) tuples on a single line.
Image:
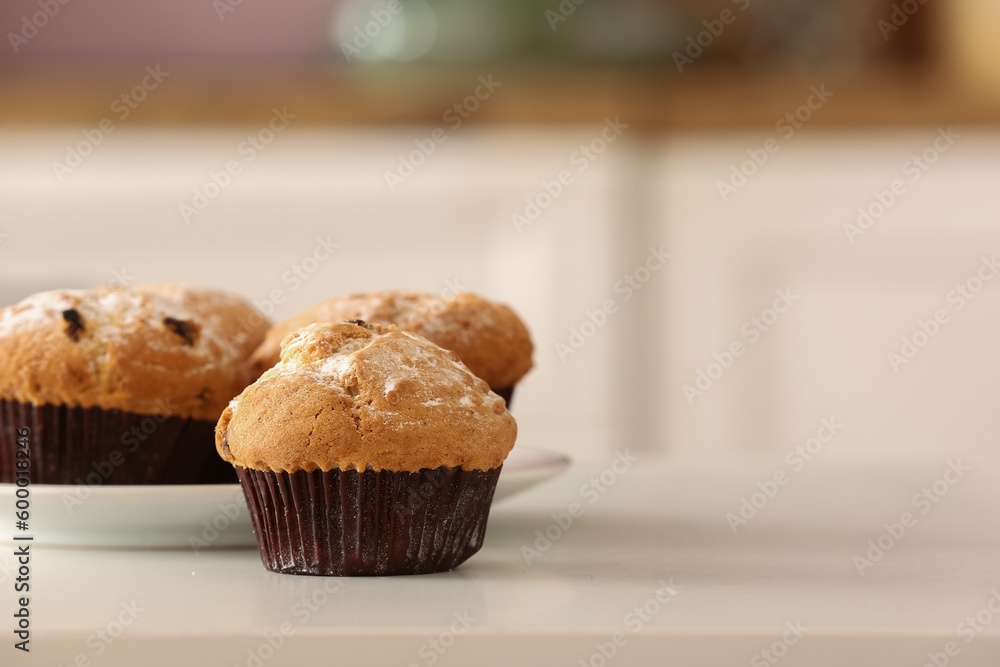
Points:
[(112, 316), (340, 363), (412, 368), (36, 312), (431, 368)]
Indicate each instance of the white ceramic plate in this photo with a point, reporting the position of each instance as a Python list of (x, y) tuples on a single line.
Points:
[(192, 516)]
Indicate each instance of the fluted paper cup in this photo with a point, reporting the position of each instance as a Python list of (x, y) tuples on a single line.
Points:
[(350, 523), (94, 446)]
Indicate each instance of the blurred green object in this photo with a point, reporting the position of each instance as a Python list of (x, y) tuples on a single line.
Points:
[(795, 33), (453, 31)]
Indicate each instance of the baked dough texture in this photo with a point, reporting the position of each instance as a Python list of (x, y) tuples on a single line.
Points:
[(163, 349), (363, 396), (487, 336)]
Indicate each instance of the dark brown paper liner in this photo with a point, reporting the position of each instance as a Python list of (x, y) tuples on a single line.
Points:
[(93, 446), (506, 393), (350, 523)]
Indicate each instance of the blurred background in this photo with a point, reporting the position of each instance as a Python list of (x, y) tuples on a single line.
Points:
[(725, 221)]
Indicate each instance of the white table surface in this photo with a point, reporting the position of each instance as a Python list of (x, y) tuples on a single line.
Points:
[(659, 521)]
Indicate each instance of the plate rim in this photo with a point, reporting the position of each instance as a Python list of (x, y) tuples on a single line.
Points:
[(559, 460)]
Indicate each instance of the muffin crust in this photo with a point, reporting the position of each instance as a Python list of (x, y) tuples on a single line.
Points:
[(363, 396), (164, 349), (488, 337)]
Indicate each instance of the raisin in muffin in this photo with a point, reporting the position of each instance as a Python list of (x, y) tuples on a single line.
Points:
[(487, 336), (366, 451), (122, 386)]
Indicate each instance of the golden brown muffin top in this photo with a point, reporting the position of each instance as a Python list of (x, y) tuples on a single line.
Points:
[(487, 336), (164, 349), (360, 396)]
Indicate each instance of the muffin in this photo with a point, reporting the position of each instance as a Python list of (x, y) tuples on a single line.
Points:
[(488, 337), (366, 451), (122, 386)]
